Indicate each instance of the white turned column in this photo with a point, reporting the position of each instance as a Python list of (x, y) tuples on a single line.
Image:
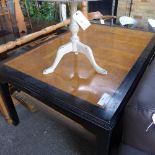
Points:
[(74, 46), (74, 27)]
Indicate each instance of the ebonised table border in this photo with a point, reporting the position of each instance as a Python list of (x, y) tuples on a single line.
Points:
[(81, 109), (102, 122)]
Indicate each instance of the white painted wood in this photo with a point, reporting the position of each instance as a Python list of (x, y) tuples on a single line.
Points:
[(74, 46)]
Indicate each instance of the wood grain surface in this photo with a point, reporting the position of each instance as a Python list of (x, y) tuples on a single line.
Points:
[(115, 49)]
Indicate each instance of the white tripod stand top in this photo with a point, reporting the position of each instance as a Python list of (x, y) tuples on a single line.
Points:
[(74, 46)]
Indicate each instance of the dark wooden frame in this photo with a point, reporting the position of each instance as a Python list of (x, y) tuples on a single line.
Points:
[(101, 5), (102, 122)]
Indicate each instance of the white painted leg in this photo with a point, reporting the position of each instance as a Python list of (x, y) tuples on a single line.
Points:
[(86, 50), (74, 46), (60, 53)]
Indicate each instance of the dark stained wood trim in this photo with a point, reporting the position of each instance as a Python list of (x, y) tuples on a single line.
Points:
[(74, 107), (103, 122), (81, 110), (132, 79)]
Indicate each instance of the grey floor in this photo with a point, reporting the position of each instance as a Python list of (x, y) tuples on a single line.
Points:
[(41, 134)]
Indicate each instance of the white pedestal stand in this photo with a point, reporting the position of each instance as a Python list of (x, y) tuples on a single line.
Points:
[(74, 46)]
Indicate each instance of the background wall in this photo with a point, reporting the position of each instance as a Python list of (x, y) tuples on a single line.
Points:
[(106, 7), (139, 9)]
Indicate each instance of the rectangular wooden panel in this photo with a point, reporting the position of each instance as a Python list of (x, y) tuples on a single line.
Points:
[(114, 49)]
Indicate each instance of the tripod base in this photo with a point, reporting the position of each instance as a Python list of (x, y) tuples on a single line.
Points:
[(78, 47)]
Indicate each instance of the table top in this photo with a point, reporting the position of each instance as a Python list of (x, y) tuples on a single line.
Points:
[(75, 85)]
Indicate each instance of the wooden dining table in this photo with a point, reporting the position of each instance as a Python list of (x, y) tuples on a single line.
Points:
[(93, 100)]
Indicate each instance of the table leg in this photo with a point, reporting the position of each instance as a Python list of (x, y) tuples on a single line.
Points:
[(8, 103), (4, 111), (103, 143)]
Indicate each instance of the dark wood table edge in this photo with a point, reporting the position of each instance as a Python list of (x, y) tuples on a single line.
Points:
[(103, 128), (61, 101), (97, 116), (134, 76)]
